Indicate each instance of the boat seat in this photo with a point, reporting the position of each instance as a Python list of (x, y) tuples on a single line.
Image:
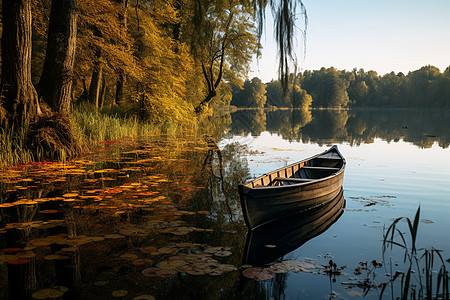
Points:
[(321, 168), (293, 179), (329, 157)]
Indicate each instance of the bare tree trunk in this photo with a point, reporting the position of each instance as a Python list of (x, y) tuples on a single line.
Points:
[(19, 95), (102, 93), (55, 85), (119, 88), (96, 80), (120, 76)]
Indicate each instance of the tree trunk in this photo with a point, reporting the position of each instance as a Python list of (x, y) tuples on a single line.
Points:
[(102, 93), (52, 133), (55, 85), (96, 80), (19, 95), (118, 99), (120, 76)]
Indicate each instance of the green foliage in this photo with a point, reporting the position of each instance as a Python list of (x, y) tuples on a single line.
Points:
[(294, 97), (253, 94), (331, 88), (328, 87)]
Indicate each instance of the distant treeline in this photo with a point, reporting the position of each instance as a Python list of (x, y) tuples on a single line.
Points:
[(331, 88)]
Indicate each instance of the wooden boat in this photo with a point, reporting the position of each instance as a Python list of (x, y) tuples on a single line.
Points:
[(300, 186), (272, 240)]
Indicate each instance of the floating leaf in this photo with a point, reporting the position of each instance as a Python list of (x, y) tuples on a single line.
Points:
[(48, 293), (157, 272), (20, 261), (257, 274), (142, 261), (427, 221), (27, 254), (148, 249), (144, 297), (114, 236), (48, 211), (12, 250), (70, 195), (119, 293), (8, 257), (129, 256)]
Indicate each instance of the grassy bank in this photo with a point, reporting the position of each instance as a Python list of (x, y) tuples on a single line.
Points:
[(90, 127)]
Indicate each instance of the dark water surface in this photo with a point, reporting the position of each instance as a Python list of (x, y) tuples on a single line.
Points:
[(160, 216)]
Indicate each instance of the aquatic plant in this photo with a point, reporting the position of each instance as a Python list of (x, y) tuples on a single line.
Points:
[(420, 280)]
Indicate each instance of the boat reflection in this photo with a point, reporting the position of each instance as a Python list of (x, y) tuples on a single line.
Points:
[(275, 239)]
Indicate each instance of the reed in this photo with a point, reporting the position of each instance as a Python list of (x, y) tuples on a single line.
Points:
[(13, 149), (420, 280), (89, 126)]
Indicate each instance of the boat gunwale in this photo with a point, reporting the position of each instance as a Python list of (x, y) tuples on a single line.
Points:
[(314, 181)]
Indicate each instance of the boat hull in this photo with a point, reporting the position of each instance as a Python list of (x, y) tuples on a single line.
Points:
[(273, 240), (264, 204)]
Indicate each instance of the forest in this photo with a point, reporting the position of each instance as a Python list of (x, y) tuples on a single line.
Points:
[(331, 88), (71, 68), (75, 72)]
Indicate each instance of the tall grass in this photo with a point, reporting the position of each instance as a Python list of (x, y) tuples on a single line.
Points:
[(426, 276), (89, 126), (13, 149)]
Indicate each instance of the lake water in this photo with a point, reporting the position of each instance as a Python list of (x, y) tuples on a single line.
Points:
[(160, 216)]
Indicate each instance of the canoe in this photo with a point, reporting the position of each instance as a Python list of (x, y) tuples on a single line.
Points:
[(273, 240), (299, 186)]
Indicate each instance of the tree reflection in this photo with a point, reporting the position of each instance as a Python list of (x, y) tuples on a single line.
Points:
[(422, 128)]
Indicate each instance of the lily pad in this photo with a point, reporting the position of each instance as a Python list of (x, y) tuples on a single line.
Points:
[(119, 293), (257, 274), (144, 297), (47, 293)]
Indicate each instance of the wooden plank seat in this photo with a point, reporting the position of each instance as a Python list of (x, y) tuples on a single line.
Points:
[(321, 168), (329, 157), (293, 179)]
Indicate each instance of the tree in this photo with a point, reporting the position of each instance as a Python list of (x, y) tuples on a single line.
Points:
[(253, 94), (224, 45), (328, 87), (55, 85), (48, 131), (17, 91)]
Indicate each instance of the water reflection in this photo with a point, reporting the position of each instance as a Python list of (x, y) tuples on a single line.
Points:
[(420, 127), (269, 242), (123, 221)]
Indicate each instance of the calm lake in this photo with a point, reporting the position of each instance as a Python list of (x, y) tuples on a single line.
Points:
[(159, 217)]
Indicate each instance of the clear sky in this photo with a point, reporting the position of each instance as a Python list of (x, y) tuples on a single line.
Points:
[(379, 35)]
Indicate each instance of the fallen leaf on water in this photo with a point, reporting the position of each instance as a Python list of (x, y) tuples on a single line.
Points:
[(100, 283), (144, 297), (119, 293), (12, 250), (257, 274), (48, 293), (129, 256), (20, 261), (427, 221), (70, 195), (114, 236), (48, 211), (8, 257), (142, 261)]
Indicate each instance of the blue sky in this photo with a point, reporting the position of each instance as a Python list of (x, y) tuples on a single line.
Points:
[(382, 35)]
